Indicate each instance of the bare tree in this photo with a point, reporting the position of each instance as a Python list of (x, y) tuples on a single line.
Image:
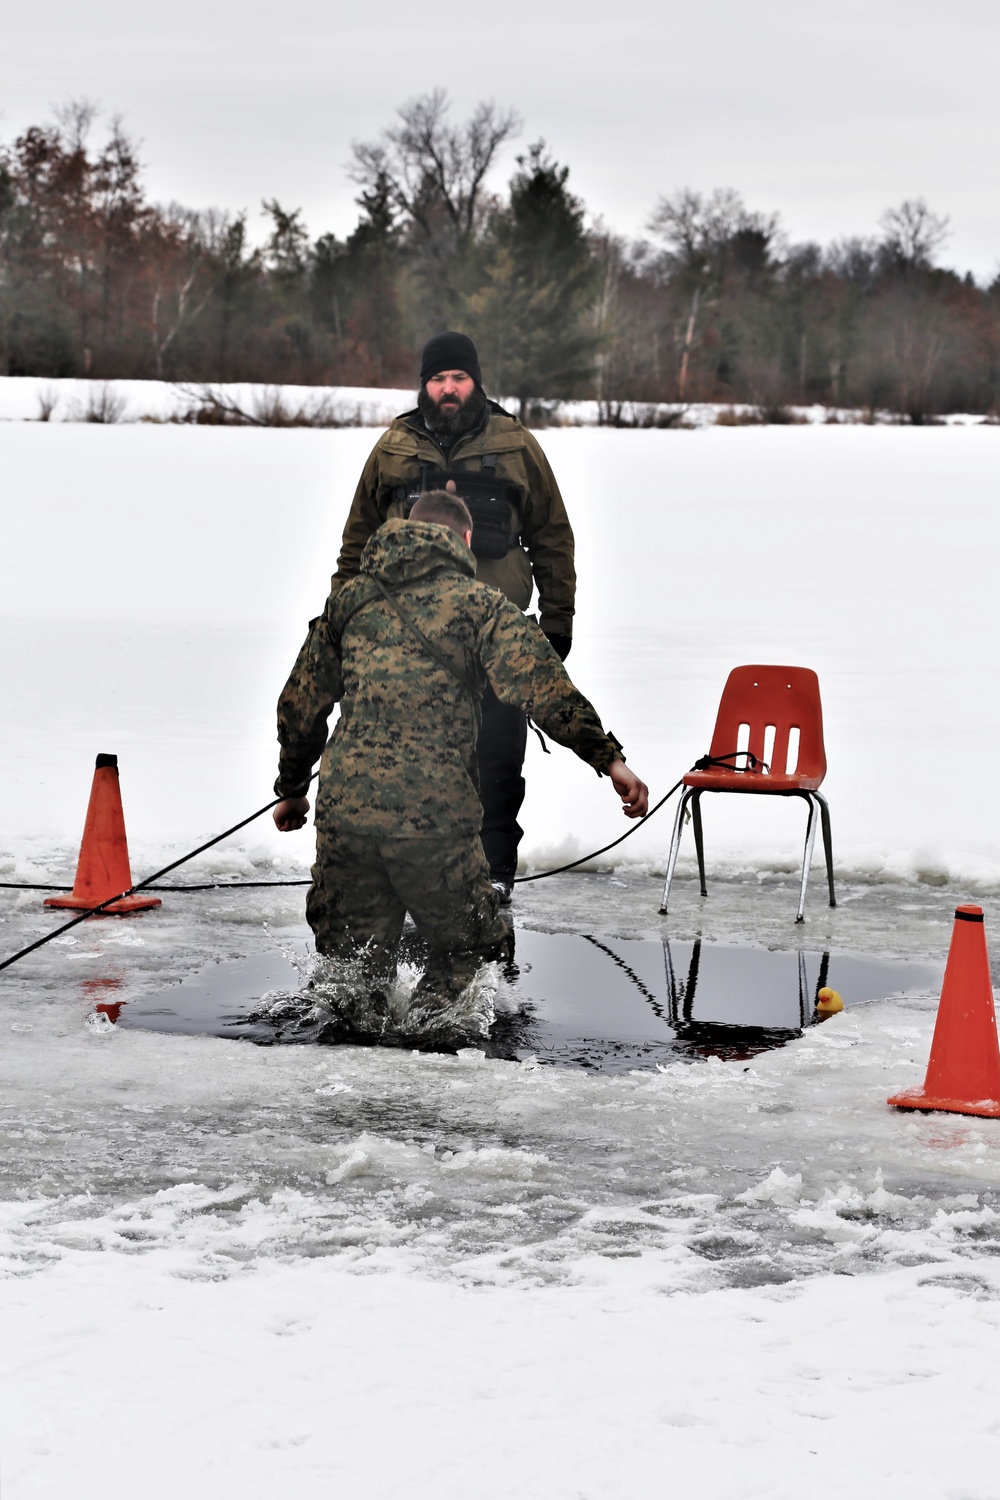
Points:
[(695, 228), (187, 235), (912, 234), (711, 241), (609, 253), (74, 119), (435, 170), (688, 345)]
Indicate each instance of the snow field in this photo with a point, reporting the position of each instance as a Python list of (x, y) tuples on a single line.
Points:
[(157, 582), (135, 1372)]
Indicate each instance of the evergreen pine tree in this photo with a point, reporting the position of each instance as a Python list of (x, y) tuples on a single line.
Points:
[(533, 315)]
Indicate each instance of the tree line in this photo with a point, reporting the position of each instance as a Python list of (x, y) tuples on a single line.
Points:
[(714, 305)]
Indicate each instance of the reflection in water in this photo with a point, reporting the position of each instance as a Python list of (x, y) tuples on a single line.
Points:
[(751, 1033), (632, 975), (568, 1000), (95, 989)]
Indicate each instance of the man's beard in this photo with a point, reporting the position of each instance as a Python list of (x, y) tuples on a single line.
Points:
[(454, 420)]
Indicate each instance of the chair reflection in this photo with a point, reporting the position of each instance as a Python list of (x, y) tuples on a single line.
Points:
[(744, 1037)]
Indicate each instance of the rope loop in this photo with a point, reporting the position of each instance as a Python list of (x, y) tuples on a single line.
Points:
[(706, 762)]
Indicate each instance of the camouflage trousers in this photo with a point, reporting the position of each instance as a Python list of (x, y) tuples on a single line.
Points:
[(364, 886)]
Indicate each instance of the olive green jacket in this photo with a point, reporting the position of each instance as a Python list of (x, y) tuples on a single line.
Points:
[(541, 536), (402, 759)]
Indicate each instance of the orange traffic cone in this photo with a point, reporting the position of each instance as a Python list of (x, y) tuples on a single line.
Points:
[(963, 1075), (103, 869)]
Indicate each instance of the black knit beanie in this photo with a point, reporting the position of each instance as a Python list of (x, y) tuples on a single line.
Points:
[(450, 351)]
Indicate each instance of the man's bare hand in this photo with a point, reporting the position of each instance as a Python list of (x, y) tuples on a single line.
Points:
[(291, 814), (633, 792)]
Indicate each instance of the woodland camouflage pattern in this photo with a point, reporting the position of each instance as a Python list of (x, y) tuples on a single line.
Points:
[(402, 760), (363, 887), (540, 530)]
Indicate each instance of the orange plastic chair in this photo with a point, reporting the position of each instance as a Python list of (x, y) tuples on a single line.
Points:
[(768, 740)]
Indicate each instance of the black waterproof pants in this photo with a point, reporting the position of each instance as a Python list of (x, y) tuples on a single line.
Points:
[(500, 750)]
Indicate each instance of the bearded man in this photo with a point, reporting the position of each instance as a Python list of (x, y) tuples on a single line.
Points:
[(457, 439)]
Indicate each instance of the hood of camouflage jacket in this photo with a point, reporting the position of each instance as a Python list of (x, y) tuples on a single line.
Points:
[(405, 551)]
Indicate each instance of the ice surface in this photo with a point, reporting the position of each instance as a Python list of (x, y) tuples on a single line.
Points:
[(172, 1204), (164, 617), (102, 1119)]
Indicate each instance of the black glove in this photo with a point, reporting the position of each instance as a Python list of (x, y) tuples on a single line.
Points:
[(559, 643)]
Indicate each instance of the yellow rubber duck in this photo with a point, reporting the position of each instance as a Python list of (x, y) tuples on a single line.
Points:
[(828, 1002)]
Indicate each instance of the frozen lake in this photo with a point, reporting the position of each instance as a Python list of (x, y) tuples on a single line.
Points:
[(102, 1115), (156, 582)]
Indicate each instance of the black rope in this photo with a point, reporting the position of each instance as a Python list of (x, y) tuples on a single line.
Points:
[(705, 762), (150, 882), (232, 885), (543, 874), (214, 885), (13, 885), (144, 885)]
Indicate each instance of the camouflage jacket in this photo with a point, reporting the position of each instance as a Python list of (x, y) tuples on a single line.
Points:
[(541, 538), (402, 757)]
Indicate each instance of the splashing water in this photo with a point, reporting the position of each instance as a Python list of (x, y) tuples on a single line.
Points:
[(337, 1002)]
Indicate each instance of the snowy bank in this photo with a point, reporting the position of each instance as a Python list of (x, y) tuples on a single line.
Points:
[(36, 398)]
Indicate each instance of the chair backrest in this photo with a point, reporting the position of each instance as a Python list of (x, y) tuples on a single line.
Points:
[(775, 713)]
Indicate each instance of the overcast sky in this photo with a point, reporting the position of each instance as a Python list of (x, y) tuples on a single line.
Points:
[(828, 114)]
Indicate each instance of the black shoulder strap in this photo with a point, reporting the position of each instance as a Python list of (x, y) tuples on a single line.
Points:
[(428, 645), (354, 609)]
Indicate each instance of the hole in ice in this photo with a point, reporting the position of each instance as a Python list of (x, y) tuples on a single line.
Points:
[(569, 1000)]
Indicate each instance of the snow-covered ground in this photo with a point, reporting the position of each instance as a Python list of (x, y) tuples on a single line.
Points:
[(266, 1272), (34, 398), (37, 398)]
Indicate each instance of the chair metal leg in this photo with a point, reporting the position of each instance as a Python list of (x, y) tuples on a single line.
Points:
[(699, 842), (675, 844), (807, 856), (824, 809), (816, 803), (805, 1008), (671, 978)]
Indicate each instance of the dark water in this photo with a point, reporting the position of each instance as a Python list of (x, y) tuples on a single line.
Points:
[(598, 1003)]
